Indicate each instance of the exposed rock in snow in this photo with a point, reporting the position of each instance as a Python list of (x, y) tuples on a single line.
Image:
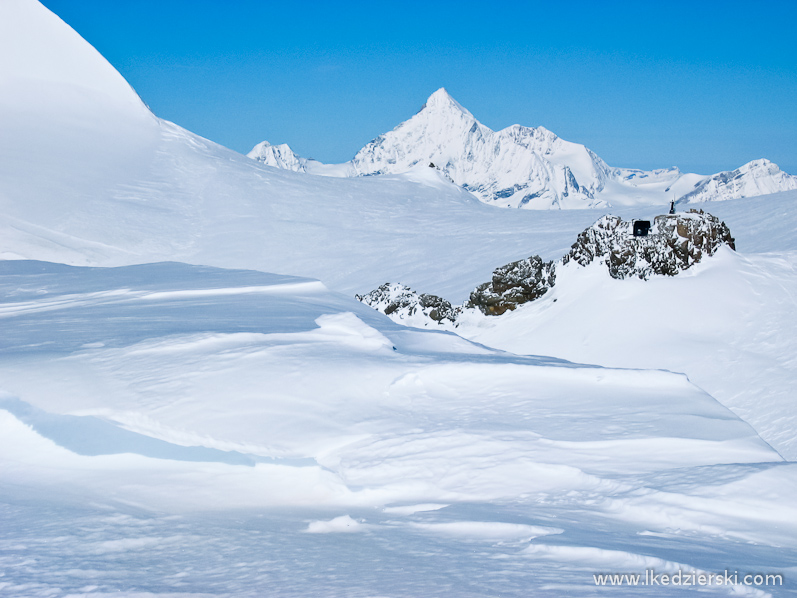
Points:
[(404, 304), (759, 177), (528, 167), (514, 284), (675, 242)]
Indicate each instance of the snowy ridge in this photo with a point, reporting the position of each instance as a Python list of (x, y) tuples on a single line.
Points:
[(759, 177), (39, 51), (279, 156), (530, 167), (515, 167)]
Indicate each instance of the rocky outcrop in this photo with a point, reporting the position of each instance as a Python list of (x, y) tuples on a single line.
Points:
[(512, 285), (402, 303), (670, 244), (675, 243)]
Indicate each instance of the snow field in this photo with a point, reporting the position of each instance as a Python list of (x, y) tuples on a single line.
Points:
[(254, 411), (726, 322)]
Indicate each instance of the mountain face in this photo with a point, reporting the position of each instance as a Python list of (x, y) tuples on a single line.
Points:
[(759, 177), (515, 167), (279, 156), (529, 167)]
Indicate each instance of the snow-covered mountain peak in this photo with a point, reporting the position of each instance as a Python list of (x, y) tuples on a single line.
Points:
[(760, 165), (758, 177), (516, 167), (279, 156), (530, 167), (442, 120), (441, 101)]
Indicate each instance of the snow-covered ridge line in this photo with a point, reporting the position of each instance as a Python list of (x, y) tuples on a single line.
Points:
[(526, 167)]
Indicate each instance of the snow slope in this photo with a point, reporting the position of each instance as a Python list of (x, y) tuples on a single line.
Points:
[(80, 188), (527, 167), (729, 325), (146, 407), (69, 122)]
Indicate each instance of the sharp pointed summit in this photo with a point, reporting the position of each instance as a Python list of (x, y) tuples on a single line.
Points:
[(442, 100), (515, 167)]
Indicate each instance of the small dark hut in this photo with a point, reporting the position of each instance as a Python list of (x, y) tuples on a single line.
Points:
[(641, 228)]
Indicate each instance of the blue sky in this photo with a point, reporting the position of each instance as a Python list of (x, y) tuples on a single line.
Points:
[(706, 86)]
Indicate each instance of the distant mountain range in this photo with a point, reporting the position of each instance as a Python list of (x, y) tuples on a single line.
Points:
[(526, 167)]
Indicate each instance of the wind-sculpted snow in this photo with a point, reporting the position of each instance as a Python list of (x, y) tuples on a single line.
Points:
[(180, 430), (726, 322), (230, 441)]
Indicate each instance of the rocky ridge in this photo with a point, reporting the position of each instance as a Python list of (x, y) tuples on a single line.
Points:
[(671, 244), (403, 304)]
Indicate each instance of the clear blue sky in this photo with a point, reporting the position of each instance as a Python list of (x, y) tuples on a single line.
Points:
[(706, 86)]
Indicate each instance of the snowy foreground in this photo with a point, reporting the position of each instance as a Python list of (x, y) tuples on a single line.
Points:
[(176, 430), (179, 429)]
